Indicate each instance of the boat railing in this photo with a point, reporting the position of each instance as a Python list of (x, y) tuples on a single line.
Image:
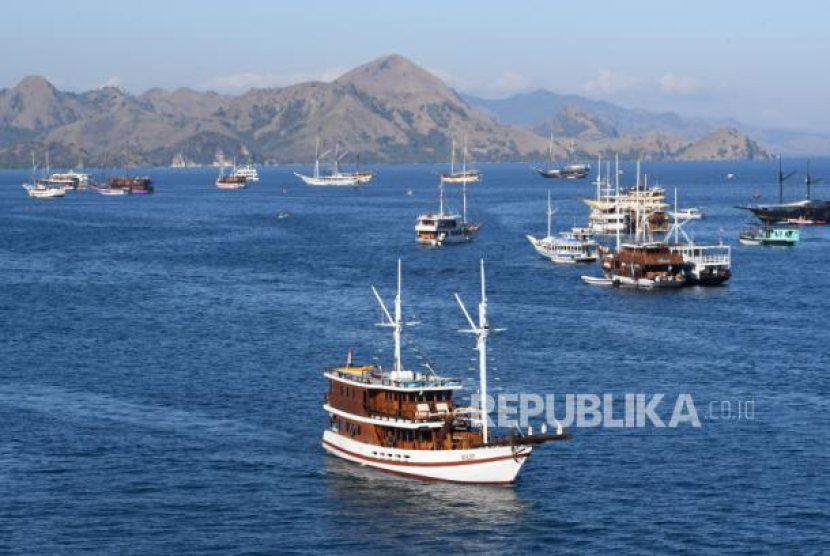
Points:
[(374, 376)]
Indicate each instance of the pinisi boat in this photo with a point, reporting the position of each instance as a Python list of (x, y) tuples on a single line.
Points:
[(464, 175), (335, 178), (407, 422), (444, 228)]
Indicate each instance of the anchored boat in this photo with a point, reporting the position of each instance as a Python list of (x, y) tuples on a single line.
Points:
[(335, 178), (442, 228), (781, 235), (464, 176), (574, 246), (408, 423)]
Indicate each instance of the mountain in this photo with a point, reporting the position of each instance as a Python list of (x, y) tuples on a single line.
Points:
[(574, 121), (533, 109), (722, 144), (386, 110)]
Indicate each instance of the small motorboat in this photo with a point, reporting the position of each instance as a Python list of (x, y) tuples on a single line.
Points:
[(598, 281), (770, 235), (687, 214)]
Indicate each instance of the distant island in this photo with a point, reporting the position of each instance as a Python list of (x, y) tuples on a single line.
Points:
[(389, 110)]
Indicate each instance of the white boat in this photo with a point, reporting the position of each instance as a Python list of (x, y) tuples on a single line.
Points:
[(407, 423), (443, 228), (248, 171), (687, 214), (573, 246), (598, 281), (464, 176), (709, 265), (613, 210), (43, 188), (39, 190), (336, 178)]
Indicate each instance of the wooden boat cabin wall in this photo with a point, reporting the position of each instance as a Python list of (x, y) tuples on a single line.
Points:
[(418, 419)]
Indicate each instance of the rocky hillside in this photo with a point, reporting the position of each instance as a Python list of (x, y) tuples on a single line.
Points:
[(721, 144), (386, 110)]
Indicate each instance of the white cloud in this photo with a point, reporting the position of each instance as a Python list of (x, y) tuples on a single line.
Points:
[(248, 80), (672, 84), (113, 81), (608, 82)]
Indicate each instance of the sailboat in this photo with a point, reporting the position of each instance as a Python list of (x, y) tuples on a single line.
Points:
[(407, 422), (43, 188), (442, 228), (551, 171), (805, 211), (573, 246), (335, 178), (465, 175)]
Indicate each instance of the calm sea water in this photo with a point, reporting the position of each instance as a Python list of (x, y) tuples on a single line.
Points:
[(161, 357)]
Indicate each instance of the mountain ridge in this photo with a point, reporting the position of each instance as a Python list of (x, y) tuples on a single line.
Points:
[(387, 110)]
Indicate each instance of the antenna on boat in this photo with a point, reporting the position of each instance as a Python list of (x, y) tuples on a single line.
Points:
[(395, 322), (481, 330)]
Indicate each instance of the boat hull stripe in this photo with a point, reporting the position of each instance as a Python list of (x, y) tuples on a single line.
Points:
[(423, 464)]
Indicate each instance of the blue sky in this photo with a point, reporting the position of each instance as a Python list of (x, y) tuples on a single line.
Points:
[(761, 62)]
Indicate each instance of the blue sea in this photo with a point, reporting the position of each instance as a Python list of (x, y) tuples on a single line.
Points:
[(161, 367)]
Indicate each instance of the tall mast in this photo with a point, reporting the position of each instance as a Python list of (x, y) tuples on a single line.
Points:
[(481, 330), (617, 198), (396, 322), (464, 201), (780, 182), (675, 215), (550, 151), (550, 214), (441, 197), (317, 158), (808, 181), (464, 157), (452, 158)]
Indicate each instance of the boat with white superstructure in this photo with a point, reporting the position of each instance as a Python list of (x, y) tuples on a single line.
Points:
[(248, 171), (573, 246), (445, 228), (465, 175), (408, 423)]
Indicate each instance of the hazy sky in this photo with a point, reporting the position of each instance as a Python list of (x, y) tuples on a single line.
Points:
[(761, 62)]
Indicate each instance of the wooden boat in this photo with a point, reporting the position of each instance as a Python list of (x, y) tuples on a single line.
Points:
[(408, 423)]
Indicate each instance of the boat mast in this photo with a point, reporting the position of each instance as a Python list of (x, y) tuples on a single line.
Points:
[(464, 201), (464, 158), (481, 330), (395, 323), (317, 158), (550, 214), (441, 197), (452, 158), (676, 222), (617, 198)]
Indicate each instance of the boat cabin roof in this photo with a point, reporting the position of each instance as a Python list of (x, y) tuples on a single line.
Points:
[(373, 377)]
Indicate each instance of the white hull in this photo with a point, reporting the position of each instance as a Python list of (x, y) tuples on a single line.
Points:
[(47, 193), (491, 465), (549, 251), (331, 181), (221, 185), (595, 281)]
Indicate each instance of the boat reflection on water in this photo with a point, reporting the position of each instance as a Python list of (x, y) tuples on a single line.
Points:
[(371, 504)]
